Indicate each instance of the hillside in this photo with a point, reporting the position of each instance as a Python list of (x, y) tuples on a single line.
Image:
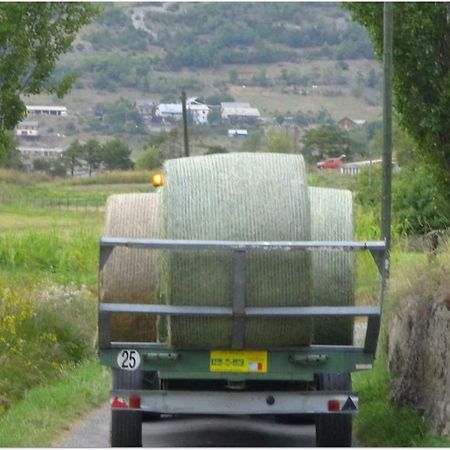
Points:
[(282, 58)]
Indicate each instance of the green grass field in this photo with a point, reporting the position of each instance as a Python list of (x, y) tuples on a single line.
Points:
[(49, 233)]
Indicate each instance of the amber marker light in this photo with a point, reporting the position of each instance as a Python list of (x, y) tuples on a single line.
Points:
[(157, 180)]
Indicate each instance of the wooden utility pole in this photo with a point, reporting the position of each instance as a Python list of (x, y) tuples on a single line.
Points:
[(386, 196), (185, 125)]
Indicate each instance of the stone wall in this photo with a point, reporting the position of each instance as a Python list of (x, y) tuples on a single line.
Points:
[(419, 358)]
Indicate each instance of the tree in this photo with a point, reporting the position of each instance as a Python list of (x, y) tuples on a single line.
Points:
[(421, 78), (41, 165), (279, 142), (252, 143), (417, 204), (57, 169), (215, 117), (13, 158), (32, 37), (92, 154), (214, 149), (325, 141), (116, 155), (233, 76), (149, 158), (72, 157), (403, 146)]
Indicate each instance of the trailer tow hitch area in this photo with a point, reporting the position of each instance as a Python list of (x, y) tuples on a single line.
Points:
[(306, 358)]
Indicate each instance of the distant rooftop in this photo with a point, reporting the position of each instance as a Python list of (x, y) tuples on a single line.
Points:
[(39, 108), (28, 123), (170, 108), (144, 102)]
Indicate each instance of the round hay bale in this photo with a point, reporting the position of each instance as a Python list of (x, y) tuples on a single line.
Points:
[(131, 275), (237, 196), (333, 270)]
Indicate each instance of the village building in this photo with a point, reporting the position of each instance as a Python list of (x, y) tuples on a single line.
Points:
[(237, 113), (46, 110), (146, 108), (237, 133), (169, 111), (29, 154), (199, 111), (28, 129), (347, 124)]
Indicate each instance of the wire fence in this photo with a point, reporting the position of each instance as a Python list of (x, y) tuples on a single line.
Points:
[(88, 204)]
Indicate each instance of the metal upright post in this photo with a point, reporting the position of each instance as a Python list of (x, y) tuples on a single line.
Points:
[(387, 127), (185, 125)]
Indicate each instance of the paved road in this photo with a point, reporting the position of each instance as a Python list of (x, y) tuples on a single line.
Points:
[(93, 431)]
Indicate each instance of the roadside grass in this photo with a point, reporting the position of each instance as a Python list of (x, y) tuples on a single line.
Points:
[(380, 423), (47, 411), (48, 284), (44, 330)]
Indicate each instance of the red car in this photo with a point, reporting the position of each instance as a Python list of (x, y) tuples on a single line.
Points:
[(331, 163)]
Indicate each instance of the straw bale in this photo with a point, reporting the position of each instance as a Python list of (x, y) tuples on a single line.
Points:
[(333, 270), (240, 196), (131, 275)]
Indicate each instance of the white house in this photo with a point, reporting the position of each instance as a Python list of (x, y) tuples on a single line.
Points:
[(27, 128), (46, 110), (198, 109), (29, 154)]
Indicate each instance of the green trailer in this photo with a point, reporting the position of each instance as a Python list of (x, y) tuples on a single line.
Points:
[(151, 379)]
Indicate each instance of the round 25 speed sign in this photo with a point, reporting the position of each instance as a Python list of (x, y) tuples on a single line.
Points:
[(128, 359)]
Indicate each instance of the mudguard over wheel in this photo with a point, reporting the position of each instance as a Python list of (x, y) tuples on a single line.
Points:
[(333, 430), (126, 426)]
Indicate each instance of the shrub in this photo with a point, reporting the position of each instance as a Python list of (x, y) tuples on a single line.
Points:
[(420, 200), (213, 149), (149, 158), (42, 332)]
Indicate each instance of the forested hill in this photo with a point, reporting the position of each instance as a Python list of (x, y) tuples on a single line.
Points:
[(210, 34), (308, 61)]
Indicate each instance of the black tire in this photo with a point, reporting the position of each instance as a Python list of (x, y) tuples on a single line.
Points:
[(334, 430), (126, 426)]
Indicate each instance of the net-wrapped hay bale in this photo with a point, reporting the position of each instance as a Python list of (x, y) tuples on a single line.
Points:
[(333, 270), (238, 196), (131, 275)]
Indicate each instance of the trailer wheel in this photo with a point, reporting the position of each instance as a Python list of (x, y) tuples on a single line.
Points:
[(126, 426), (333, 430)]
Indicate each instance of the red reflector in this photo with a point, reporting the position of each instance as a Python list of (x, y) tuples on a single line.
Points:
[(118, 402), (334, 405), (135, 402)]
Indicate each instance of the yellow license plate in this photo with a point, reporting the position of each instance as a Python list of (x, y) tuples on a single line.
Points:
[(238, 361)]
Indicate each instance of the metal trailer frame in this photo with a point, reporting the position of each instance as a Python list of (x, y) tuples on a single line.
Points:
[(284, 364)]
